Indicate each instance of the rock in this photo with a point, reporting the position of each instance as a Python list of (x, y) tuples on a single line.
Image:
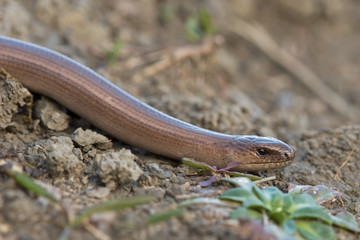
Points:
[(88, 139), (156, 171), (12, 95), (117, 168), (51, 115), (57, 155), (62, 162), (36, 153), (99, 192), (51, 189)]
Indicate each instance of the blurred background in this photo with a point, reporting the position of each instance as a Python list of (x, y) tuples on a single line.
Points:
[(287, 66)]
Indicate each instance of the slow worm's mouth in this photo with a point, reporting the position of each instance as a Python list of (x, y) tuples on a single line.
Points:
[(257, 166)]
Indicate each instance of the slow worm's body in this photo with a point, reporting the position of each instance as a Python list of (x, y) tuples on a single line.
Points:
[(111, 109)]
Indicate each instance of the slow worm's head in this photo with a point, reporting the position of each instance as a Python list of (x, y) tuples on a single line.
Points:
[(259, 153)]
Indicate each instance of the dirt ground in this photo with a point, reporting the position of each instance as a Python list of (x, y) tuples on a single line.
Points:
[(284, 69)]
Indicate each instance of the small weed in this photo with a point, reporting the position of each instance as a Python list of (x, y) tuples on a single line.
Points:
[(80, 219), (163, 216), (216, 173), (196, 27), (295, 214), (114, 53)]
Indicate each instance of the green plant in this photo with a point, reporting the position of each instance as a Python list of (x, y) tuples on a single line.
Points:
[(199, 26), (109, 206), (114, 205), (296, 214), (114, 53), (216, 173), (29, 184), (163, 216)]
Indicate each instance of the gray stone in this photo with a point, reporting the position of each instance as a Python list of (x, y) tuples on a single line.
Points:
[(51, 114), (117, 168), (62, 162), (88, 139), (12, 95)]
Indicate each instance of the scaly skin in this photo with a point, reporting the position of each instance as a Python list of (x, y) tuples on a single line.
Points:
[(121, 115)]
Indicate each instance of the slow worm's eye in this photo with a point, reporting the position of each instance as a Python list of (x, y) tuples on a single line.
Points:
[(261, 152)]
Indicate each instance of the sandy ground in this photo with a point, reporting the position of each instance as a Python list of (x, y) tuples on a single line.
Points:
[(286, 70)]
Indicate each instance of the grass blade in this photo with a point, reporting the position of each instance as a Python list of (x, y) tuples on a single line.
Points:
[(114, 205), (29, 184), (163, 216)]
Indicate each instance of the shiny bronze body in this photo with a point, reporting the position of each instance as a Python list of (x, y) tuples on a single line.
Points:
[(96, 99)]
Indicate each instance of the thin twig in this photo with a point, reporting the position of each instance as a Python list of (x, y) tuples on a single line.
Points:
[(336, 177), (97, 233), (179, 54), (265, 179), (257, 36)]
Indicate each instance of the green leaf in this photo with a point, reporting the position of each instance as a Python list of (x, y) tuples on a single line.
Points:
[(164, 216), (204, 200), (304, 200), (315, 230), (240, 181), (29, 184), (346, 220), (305, 206), (287, 202), (279, 205), (254, 202), (204, 167), (243, 195), (206, 23), (244, 183), (272, 197), (289, 226), (243, 212), (114, 205), (275, 201), (278, 202), (280, 217), (112, 55), (192, 29), (279, 233), (266, 195), (244, 175), (317, 212), (237, 195)]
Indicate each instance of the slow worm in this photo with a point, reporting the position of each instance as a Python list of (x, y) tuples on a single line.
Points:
[(111, 109)]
